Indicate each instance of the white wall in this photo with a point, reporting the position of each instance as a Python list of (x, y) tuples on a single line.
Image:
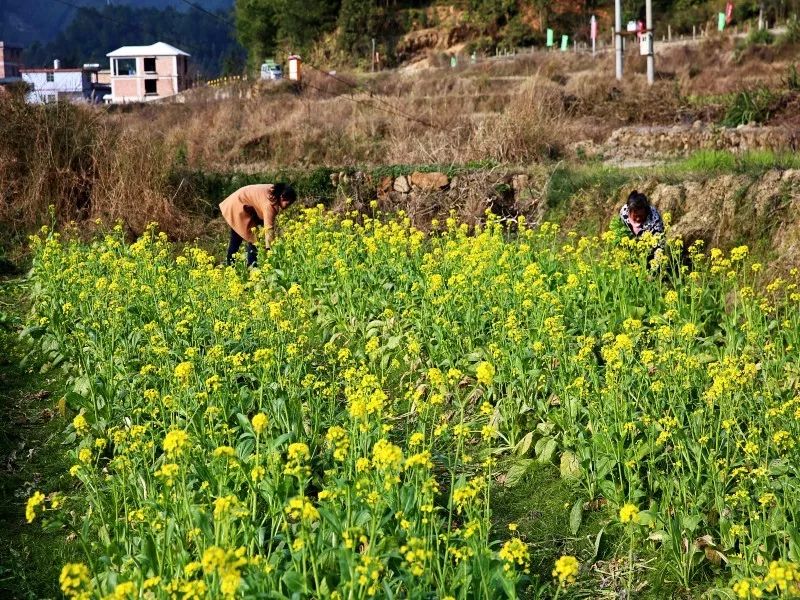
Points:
[(65, 83)]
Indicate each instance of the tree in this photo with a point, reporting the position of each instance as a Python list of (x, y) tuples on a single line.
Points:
[(355, 31), (299, 23), (255, 28)]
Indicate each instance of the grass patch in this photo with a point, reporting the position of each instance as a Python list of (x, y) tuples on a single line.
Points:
[(755, 162), (33, 459), (567, 181), (750, 106), (540, 505)]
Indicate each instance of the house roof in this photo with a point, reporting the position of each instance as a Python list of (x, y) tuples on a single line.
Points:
[(157, 49), (50, 70)]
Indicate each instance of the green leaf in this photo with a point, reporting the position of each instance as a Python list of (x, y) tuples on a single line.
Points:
[(517, 471), (293, 581), (244, 422), (576, 516), (331, 518), (549, 449), (690, 522), (82, 386), (150, 552), (598, 545), (522, 447), (570, 465), (540, 443)]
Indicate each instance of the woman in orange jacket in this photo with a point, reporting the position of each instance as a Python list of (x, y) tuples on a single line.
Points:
[(254, 206)]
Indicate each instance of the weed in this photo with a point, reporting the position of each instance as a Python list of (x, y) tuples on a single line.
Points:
[(760, 37), (792, 80), (792, 34), (750, 106)]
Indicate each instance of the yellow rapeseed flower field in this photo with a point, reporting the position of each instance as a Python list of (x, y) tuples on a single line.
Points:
[(333, 423)]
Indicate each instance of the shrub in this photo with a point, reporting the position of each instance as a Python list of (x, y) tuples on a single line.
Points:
[(760, 37), (749, 106), (792, 33)]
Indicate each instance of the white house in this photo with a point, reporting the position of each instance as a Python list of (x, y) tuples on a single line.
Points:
[(57, 84), (145, 73)]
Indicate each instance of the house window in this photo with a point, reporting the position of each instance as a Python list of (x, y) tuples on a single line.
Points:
[(149, 65), (51, 76), (151, 86), (125, 66)]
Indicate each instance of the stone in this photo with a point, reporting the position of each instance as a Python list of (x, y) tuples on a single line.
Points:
[(401, 185), (429, 181), (384, 186), (519, 183)]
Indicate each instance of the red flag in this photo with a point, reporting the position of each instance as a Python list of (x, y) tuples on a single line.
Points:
[(728, 12)]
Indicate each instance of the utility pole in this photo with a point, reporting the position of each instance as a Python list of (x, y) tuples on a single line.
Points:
[(618, 35), (651, 59), (373, 54)]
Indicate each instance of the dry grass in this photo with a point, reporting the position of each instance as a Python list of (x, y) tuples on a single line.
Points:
[(506, 110), (73, 159), (120, 163)]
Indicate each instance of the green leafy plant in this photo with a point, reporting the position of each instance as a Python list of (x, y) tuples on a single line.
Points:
[(750, 106)]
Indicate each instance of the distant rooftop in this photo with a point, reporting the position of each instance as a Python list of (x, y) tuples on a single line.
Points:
[(9, 45), (157, 49)]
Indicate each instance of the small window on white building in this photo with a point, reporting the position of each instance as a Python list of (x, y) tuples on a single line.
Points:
[(51, 76), (149, 65), (151, 86), (125, 66)]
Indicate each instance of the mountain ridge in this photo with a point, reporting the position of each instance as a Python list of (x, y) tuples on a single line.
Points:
[(25, 23)]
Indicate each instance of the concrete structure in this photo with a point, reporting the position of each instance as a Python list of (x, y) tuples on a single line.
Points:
[(10, 59), (145, 73), (56, 84)]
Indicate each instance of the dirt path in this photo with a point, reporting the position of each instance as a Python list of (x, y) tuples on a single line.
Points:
[(31, 458)]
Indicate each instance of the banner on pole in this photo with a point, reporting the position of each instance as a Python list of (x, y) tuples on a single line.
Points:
[(729, 13), (564, 42), (593, 28), (549, 37), (721, 22)]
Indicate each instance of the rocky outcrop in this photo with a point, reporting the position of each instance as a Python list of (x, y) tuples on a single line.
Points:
[(730, 209), (679, 140)]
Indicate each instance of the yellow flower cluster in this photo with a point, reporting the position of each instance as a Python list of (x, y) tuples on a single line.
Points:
[(628, 513), (515, 552), (175, 442), (75, 581), (566, 570), (226, 564), (301, 509), (298, 455), (34, 502)]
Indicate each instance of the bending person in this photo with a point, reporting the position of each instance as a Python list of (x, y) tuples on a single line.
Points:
[(250, 207), (639, 216)]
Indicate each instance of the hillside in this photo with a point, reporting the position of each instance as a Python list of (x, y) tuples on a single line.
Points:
[(92, 33), (25, 22)]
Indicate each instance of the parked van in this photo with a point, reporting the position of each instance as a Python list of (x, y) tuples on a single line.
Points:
[(270, 70)]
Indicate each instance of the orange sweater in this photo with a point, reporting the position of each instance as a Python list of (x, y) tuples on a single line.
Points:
[(238, 209)]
